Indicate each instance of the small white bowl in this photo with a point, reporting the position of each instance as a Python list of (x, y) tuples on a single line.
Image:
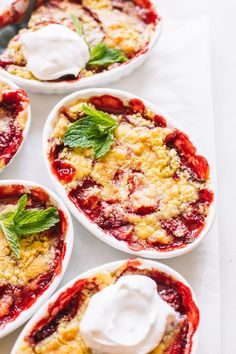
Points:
[(28, 121), (69, 236), (96, 80), (110, 267), (80, 216)]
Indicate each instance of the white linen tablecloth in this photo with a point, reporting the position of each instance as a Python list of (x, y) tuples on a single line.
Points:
[(177, 78)]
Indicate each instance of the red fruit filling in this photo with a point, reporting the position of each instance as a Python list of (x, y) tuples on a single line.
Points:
[(108, 104), (15, 298), (172, 291), (110, 215), (160, 121), (136, 105), (11, 134), (198, 164)]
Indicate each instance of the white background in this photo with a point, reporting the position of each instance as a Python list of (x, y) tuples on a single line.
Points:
[(222, 16)]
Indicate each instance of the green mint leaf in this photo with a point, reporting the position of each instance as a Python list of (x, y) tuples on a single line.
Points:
[(77, 25), (102, 55), (92, 133), (98, 51), (20, 206), (94, 130), (100, 117), (26, 221), (79, 28), (76, 134), (6, 215), (33, 221), (102, 146), (11, 237)]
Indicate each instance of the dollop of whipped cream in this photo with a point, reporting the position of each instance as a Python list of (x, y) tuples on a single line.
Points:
[(54, 51), (127, 317)]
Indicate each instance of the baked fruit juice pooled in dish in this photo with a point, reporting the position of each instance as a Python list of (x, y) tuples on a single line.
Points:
[(12, 11), (32, 239), (14, 113), (109, 33), (132, 309), (138, 179)]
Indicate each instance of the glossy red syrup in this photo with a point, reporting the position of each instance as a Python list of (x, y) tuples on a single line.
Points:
[(92, 206), (64, 308), (19, 298), (108, 216), (12, 103), (137, 105), (5, 62), (146, 4), (198, 164), (148, 13), (160, 121), (175, 293), (145, 9), (108, 103), (206, 196), (63, 170), (149, 17), (145, 210)]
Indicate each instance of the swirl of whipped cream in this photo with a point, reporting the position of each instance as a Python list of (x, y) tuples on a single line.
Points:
[(127, 317), (54, 51)]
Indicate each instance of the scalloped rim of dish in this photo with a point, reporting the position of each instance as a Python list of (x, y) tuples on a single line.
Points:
[(27, 124), (81, 217), (108, 267), (95, 80), (69, 236)]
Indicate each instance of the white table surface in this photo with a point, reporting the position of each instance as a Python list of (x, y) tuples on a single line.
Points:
[(223, 48), (223, 26)]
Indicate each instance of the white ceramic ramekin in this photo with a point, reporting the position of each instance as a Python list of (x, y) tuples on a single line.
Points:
[(97, 80), (28, 121), (92, 227), (111, 267), (69, 236)]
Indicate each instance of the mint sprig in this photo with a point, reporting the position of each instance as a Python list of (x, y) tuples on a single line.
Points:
[(77, 24), (95, 130), (102, 55), (11, 237), (78, 27), (15, 224)]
